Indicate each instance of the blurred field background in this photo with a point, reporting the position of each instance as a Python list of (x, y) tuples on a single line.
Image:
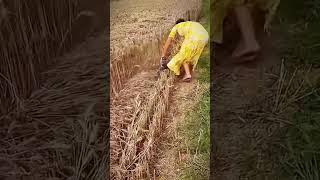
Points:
[(53, 104), (299, 145), (266, 123)]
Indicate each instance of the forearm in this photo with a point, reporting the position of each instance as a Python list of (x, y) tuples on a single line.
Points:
[(166, 47)]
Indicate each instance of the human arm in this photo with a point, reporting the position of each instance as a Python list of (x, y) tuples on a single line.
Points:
[(166, 47), (271, 8), (169, 42)]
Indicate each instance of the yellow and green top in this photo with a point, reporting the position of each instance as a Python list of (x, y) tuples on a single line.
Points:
[(191, 31)]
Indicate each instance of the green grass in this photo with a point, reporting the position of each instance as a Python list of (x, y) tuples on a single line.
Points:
[(196, 127), (204, 67)]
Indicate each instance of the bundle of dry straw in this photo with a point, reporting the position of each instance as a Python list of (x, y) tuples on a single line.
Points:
[(126, 64), (132, 138)]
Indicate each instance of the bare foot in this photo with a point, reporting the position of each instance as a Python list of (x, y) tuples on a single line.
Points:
[(247, 57), (244, 50), (248, 42), (186, 78)]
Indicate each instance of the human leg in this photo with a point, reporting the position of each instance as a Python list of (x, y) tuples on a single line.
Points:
[(248, 44), (176, 62), (187, 76)]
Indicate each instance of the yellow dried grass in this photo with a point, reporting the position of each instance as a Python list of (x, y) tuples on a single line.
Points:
[(134, 150), (125, 65)]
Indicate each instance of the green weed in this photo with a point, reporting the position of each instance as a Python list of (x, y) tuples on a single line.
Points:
[(197, 131)]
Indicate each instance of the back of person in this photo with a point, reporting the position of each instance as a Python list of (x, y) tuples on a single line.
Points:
[(192, 31), (195, 39)]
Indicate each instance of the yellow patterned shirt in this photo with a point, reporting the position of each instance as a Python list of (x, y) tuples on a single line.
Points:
[(191, 31)]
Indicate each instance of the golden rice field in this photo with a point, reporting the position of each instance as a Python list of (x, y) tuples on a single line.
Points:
[(139, 96)]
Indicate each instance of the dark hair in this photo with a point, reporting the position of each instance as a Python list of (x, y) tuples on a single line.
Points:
[(180, 21)]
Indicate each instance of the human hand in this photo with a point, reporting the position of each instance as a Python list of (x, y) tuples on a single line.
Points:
[(164, 61)]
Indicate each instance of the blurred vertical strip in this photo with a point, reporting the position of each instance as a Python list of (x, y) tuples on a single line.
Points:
[(31, 34)]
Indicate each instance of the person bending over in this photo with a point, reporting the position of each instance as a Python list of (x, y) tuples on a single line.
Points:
[(195, 39)]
